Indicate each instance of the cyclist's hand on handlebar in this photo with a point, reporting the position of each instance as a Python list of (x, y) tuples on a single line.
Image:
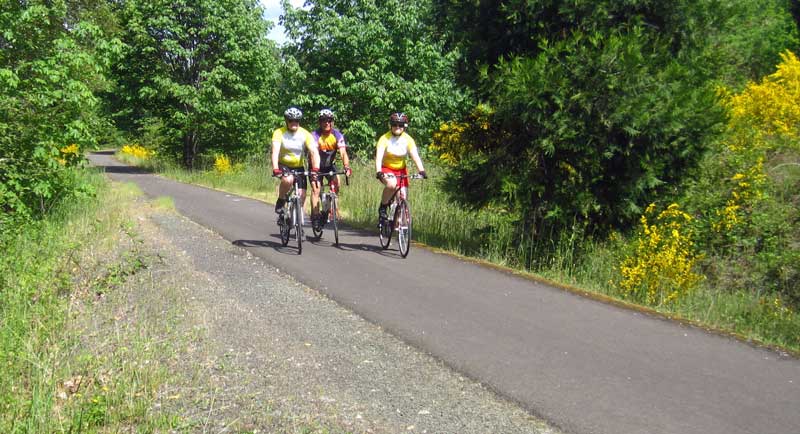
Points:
[(379, 176), (277, 172), (348, 171), (423, 174), (314, 176)]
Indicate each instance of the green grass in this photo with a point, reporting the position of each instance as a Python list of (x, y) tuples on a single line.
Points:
[(573, 259), (56, 375)]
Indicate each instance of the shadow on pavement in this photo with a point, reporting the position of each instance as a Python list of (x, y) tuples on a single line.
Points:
[(127, 170), (277, 246), (122, 169)]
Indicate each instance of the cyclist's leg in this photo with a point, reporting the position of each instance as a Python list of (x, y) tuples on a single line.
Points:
[(389, 182), (301, 192), (283, 189), (333, 182), (316, 188), (403, 193)]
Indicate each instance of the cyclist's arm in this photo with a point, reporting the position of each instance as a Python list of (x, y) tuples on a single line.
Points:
[(412, 150), (345, 158), (379, 152), (313, 151), (276, 148)]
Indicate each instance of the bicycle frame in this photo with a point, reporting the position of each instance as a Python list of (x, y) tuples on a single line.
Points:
[(399, 218), (293, 215), (329, 211)]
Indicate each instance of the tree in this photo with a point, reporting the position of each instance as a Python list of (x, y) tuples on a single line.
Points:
[(368, 58), (202, 70), (596, 108), (52, 66)]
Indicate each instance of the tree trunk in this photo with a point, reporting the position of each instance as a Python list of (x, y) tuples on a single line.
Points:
[(189, 149)]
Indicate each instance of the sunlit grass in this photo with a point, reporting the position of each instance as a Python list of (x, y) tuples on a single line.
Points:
[(50, 380)]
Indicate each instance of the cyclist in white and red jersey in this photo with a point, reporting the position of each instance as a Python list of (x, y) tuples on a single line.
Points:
[(289, 145), (390, 158), (329, 141)]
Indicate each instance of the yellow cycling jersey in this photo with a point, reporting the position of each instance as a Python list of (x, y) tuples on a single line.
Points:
[(292, 146), (396, 148)]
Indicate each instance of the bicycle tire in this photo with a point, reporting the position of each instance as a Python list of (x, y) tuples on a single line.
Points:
[(283, 225), (385, 233), (402, 216), (298, 225), (333, 210), (317, 230)]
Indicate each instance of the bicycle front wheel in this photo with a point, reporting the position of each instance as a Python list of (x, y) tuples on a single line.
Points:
[(298, 225), (385, 233), (334, 210), (402, 218), (317, 229), (284, 224)]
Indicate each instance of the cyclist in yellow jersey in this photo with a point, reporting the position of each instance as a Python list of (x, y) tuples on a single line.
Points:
[(289, 145), (390, 158)]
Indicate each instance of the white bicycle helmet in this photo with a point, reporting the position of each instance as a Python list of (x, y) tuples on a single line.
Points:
[(293, 114)]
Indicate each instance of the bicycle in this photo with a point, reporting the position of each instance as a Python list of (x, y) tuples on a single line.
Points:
[(329, 212), (400, 221), (292, 216)]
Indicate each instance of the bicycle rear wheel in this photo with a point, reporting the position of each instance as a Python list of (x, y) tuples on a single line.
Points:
[(298, 225), (334, 210), (402, 217)]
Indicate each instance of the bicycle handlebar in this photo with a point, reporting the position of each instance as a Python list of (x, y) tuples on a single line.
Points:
[(414, 176), (291, 172), (307, 172)]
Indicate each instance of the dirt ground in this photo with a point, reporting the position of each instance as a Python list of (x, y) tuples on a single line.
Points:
[(252, 350)]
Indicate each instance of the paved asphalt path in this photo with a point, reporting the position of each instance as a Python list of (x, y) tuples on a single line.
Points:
[(583, 365)]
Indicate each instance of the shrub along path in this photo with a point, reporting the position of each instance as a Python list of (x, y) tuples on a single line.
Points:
[(583, 365)]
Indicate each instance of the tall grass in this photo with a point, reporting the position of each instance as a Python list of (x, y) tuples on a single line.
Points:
[(573, 258), (47, 382)]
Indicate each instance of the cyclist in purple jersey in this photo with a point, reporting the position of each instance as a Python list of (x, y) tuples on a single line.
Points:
[(329, 142)]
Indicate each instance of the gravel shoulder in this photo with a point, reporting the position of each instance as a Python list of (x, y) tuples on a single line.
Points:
[(260, 352)]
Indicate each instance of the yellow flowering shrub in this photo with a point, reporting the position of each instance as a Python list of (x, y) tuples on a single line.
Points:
[(747, 189), (453, 140), (775, 307), (764, 117), (69, 155), (772, 106), (137, 151), (661, 267), (222, 164)]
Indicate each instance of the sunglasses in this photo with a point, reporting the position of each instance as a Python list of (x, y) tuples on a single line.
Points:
[(326, 121), (398, 124)]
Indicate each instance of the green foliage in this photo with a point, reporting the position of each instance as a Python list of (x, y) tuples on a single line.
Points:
[(201, 71), (597, 107), (589, 129), (51, 66), (740, 39), (747, 194), (392, 63)]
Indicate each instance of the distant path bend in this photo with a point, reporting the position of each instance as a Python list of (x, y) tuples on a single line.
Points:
[(585, 366)]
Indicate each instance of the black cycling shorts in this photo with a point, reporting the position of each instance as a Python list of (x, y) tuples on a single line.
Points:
[(303, 179), (328, 169)]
